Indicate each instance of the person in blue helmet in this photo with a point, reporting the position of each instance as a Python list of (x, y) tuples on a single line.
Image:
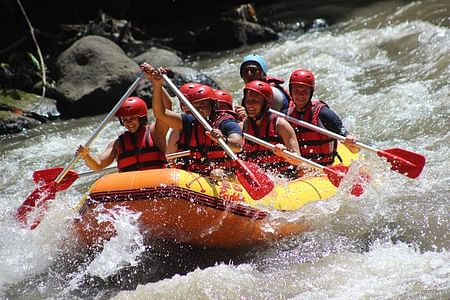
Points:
[(254, 67)]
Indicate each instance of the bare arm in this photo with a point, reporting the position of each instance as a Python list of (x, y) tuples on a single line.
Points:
[(235, 142), (287, 134), (172, 146), (102, 160), (170, 118), (167, 99), (159, 132)]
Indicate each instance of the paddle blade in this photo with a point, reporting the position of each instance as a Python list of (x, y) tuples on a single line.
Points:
[(35, 200), (49, 175), (253, 179), (403, 161), (336, 173)]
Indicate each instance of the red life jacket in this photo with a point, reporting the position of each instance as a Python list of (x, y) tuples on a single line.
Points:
[(206, 154), (313, 145), (138, 151), (262, 156)]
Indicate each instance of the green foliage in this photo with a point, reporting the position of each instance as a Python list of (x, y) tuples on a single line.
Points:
[(35, 63)]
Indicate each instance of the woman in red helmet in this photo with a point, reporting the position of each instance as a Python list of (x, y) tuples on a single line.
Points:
[(315, 146), (261, 123), (141, 147), (224, 100), (206, 153)]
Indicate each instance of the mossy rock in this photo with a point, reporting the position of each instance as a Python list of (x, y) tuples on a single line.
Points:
[(20, 110)]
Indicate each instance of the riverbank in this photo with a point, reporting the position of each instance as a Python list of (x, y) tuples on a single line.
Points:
[(181, 28)]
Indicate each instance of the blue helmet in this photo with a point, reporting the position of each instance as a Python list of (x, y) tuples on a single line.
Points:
[(256, 58)]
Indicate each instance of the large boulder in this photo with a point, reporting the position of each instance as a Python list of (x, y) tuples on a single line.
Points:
[(179, 75), (159, 57), (93, 74)]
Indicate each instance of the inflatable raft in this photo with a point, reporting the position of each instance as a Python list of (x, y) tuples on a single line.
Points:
[(189, 208)]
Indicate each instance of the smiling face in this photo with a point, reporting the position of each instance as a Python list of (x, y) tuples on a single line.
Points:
[(131, 123), (252, 71), (301, 94), (254, 103)]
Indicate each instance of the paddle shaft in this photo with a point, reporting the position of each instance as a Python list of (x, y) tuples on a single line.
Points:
[(170, 156), (198, 116), (289, 153), (100, 127), (319, 129)]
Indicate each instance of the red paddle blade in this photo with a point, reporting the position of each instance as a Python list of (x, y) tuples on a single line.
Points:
[(337, 173), (35, 200), (253, 179), (49, 175), (403, 161)]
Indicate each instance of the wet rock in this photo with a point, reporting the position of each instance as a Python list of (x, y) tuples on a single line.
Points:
[(228, 34), (92, 75), (182, 75), (20, 110), (16, 124), (159, 58), (179, 75), (319, 24)]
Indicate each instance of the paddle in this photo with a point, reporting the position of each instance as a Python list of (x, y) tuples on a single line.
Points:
[(42, 177), (47, 191), (335, 173), (252, 178), (401, 160)]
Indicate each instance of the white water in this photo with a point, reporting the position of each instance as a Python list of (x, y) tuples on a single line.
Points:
[(387, 75)]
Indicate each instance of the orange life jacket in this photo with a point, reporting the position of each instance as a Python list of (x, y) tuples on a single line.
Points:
[(138, 151), (262, 156), (313, 145)]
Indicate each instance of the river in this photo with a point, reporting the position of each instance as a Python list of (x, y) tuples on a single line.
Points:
[(386, 72)]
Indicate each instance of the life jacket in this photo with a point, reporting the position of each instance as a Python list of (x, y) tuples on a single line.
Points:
[(277, 83), (138, 151), (313, 145), (262, 156), (206, 154)]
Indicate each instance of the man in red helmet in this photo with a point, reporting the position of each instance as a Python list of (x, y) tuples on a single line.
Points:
[(141, 147), (206, 153), (315, 146), (261, 123)]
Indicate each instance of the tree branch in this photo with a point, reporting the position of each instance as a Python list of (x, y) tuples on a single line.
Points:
[(41, 59)]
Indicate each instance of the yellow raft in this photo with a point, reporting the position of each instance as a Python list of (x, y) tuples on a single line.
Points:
[(186, 207)]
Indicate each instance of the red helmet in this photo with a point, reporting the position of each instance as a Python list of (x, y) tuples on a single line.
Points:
[(261, 88), (201, 92), (303, 77), (132, 106), (186, 88), (224, 97)]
